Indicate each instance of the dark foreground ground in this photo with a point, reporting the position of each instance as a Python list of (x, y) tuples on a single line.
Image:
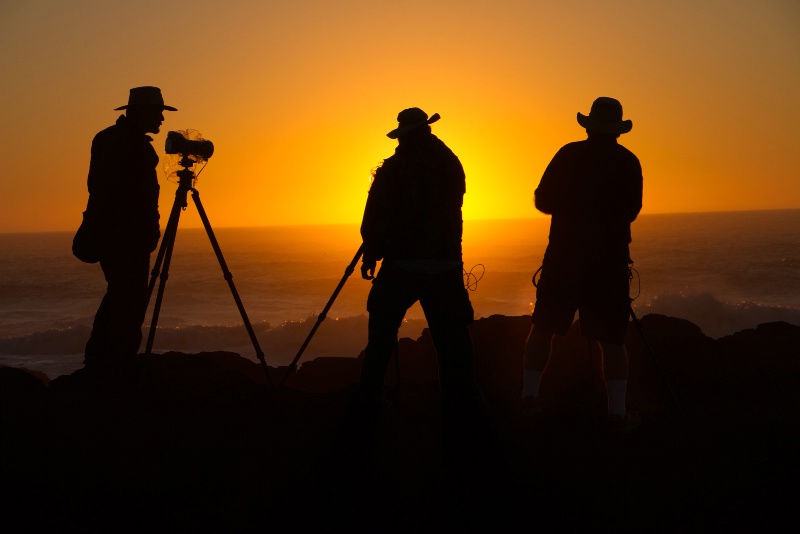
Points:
[(200, 443)]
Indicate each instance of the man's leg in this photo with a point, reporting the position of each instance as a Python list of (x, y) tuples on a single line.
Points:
[(455, 358), (382, 338), (391, 295), (537, 355), (604, 317), (553, 313), (449, 313), (98, 347), (117, 327), (615, 369), (466, 443)]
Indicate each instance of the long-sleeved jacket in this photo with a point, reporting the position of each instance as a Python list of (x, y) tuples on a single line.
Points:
[(123, 189), (593, 190), (413, 211)]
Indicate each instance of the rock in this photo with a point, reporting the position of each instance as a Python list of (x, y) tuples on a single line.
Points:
[(22, 395), (323, 375), (199, 442)]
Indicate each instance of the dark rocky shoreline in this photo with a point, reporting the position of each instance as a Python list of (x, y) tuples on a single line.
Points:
[(200, 443)]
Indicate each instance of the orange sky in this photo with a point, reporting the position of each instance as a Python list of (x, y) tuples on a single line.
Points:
[(298, 96)]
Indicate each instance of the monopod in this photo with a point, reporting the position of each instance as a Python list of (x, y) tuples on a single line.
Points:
[(347, 272)]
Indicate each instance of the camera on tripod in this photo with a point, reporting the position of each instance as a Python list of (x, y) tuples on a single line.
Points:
[(187, 149), (182, 143)]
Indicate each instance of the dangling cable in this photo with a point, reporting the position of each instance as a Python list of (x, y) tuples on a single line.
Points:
[(470, 279), (637, 323), (535, 283), (631, 272), (197, 175)]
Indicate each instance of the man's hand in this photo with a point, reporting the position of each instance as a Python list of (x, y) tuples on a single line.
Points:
[(368, 269)]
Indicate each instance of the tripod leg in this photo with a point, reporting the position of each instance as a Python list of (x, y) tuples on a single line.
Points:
[(347, 272), (168, 237), (229, 278), (166, 246)]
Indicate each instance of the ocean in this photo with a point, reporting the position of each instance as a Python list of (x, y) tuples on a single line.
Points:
[(723, 271)]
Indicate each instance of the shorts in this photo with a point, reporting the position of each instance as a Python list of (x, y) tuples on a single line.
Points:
[(596, 287)]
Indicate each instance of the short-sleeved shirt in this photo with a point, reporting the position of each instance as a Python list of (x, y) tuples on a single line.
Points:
[(593, 190)]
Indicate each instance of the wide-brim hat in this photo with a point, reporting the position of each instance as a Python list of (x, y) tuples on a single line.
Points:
[(605, 117), (146, 97), (411, 118)]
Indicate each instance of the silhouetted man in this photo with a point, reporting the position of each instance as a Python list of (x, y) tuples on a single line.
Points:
[(412, 221), (123, 212), (593, 190)]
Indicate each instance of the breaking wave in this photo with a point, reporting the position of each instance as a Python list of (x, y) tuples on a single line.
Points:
[(59, 350), (345, 337), (714, 317)]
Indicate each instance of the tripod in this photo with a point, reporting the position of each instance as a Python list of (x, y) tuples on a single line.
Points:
[(185, 185)]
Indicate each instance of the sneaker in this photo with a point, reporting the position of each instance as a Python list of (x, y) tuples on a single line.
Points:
[(624, 425)]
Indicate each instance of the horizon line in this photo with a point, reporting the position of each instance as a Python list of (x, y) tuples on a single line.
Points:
[(533, 217)]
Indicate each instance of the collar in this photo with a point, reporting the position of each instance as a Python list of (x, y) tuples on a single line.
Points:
[(601, 138), (124, 122)]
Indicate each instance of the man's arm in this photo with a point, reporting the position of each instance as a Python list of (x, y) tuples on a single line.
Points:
[(374, 224), (636, 194), (547, 196), (368, 266)]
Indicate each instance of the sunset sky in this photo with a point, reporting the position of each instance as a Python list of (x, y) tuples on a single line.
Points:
[(298, 96)]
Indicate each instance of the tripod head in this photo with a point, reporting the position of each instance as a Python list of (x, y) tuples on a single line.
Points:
[(186, 176)]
